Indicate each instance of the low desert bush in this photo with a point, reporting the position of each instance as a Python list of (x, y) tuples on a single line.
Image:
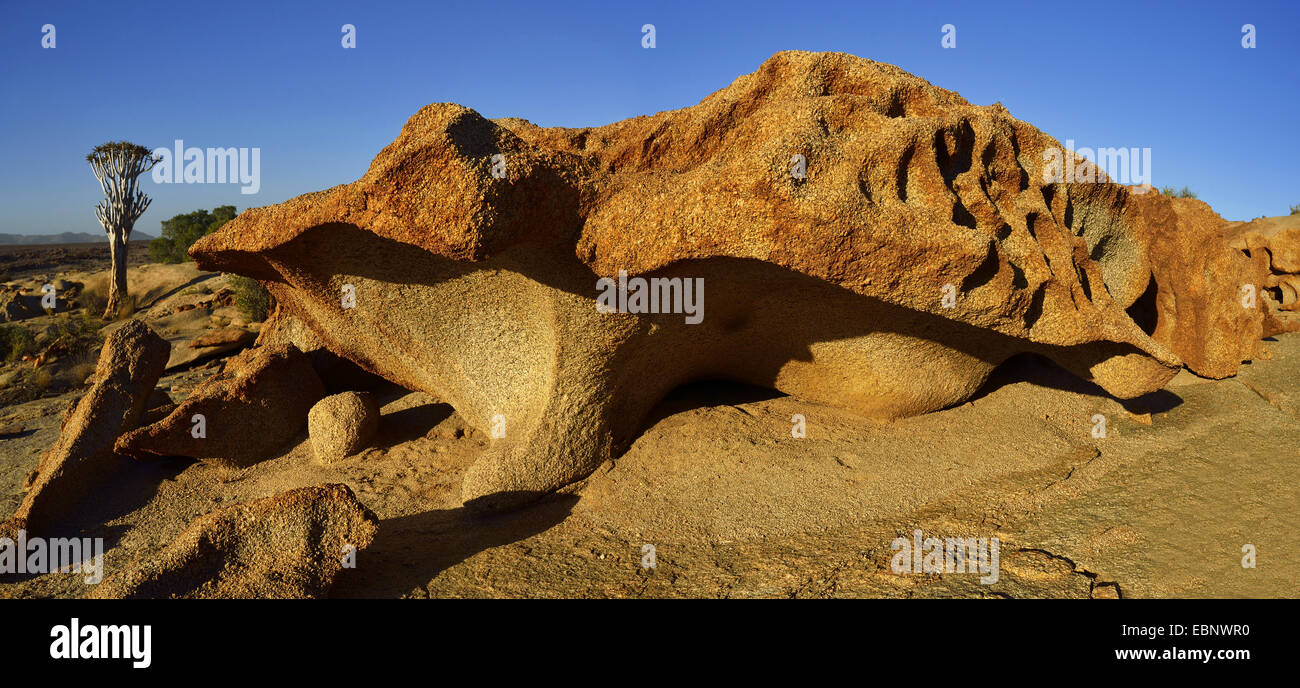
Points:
[(73, 343), (251, 298), (94, 298), (42, 379), (1185, 192), (16, 341), (77, 373), (75, 335), (27, 384), (21, 386)]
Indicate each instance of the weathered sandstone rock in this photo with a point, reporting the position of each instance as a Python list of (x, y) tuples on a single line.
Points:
[(911, 248), (251, 409), (282, 327), (1169, 263), (210, 344), (130, 364), (291, 545), (226, 339), (342, 424), (1277, 237), (1274, 244)]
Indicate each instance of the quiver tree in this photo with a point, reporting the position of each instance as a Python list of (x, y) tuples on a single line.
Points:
[(117, 165)]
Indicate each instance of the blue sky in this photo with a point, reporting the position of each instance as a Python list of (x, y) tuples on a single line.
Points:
[(1171, 76)]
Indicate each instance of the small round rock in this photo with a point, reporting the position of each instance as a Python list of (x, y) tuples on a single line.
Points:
[(342, 424)]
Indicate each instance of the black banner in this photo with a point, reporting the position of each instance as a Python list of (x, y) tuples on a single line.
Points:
[(166, 638)]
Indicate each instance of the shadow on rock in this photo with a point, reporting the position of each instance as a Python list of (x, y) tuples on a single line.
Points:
[(411, 423), (409, 551), (132, 488), (1043, 372), (708, 394)]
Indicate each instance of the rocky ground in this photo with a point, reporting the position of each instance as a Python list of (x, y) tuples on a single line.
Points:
[(192, 309), (736, 507)]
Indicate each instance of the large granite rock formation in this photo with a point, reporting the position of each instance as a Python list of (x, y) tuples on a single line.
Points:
[(865, 239)]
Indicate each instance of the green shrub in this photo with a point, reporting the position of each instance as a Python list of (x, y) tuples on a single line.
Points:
[(16, 341), (180, 232), (1295, 210), (251, 298), (76, 334), (1185, 192), (161, 250)]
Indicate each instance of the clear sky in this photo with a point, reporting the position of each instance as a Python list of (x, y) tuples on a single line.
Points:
[(1169, 76)]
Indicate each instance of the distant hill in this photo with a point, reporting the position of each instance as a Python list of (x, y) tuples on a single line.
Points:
[(63, 238)]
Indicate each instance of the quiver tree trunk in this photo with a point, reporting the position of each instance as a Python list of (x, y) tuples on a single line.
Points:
[(117, 276)]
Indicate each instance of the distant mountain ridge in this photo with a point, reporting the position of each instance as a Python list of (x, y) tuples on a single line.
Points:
[(63, 238)]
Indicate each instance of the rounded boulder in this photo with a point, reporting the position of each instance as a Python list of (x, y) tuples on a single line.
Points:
[(342, 424)]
